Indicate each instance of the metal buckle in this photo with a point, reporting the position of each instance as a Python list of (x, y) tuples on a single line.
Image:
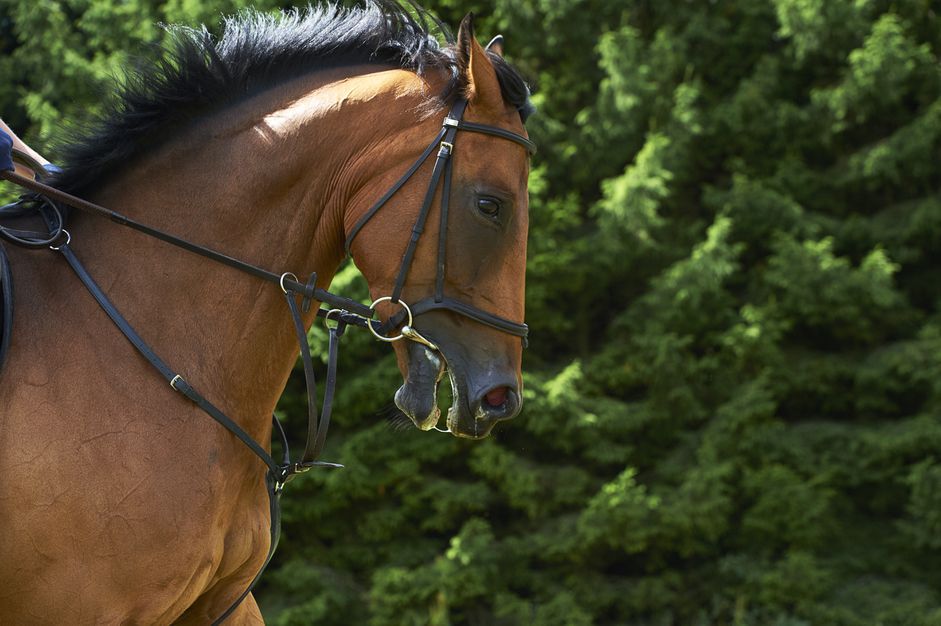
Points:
[(291, 470), (326, 318)]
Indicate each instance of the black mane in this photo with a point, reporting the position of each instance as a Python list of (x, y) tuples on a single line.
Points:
[(199, 74)]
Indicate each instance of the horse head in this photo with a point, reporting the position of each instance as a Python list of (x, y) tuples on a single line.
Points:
[(461, 240)]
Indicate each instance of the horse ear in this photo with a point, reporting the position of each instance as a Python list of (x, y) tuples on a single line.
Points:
[(478, 79), (496, 45)]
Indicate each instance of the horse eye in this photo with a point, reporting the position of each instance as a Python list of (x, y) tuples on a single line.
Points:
[(489, 206)]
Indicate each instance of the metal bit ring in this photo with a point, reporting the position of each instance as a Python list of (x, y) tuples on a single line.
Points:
[(408, 312)]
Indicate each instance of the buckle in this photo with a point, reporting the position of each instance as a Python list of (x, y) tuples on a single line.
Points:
[(289, 471)]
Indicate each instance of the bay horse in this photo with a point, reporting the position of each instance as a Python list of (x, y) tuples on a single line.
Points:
[(279, 143)]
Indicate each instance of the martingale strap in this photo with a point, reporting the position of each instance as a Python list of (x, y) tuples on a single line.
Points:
[(278, 474), (317, 426)]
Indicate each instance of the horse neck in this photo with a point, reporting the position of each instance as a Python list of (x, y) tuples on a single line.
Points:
[(266, 182)]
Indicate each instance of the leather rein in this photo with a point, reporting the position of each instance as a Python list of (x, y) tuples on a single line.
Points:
[(340, 313)]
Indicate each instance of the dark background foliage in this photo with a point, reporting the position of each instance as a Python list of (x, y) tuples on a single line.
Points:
[(734, 380)]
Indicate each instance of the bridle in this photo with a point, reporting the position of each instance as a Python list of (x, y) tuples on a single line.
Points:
[(440, 177), (341, 312)]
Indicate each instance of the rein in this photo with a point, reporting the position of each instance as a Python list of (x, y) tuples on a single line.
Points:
[(343, 312)]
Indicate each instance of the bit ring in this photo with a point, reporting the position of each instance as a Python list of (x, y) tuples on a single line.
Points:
[(408, 312)]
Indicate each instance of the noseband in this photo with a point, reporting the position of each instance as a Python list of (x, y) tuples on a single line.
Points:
[(440, 177)]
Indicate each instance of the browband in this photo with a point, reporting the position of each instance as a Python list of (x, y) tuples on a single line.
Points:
[(492, 130)]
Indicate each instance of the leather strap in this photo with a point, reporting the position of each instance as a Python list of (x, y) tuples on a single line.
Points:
[(441, 269), (176, 381), (277, 474), (28, 206), (494, 131), (316, 427), (311, 291), (457, 306), (442, 164), (274, 503), (392, 191)]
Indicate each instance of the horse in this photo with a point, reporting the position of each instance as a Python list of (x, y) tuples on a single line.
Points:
[(283, 142)]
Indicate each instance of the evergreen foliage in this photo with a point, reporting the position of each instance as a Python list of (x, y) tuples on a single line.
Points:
[(733, 390)]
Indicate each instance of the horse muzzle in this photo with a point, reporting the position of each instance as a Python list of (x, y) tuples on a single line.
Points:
[(483, 391)]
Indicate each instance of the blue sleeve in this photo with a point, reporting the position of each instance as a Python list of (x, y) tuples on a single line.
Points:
[(6, 152)]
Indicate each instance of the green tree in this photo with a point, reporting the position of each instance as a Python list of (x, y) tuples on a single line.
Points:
[(733, 388)]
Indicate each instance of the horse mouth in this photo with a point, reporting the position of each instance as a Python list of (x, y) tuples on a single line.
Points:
[(418, 396)]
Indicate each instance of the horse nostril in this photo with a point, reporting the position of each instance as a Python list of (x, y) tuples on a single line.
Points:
[(496, 397), (498, 403)]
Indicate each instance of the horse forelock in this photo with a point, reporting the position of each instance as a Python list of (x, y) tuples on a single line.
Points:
[(198, 74)]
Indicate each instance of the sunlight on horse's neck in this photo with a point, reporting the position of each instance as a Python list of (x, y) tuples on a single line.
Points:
[(267, 181), (332, 99)]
